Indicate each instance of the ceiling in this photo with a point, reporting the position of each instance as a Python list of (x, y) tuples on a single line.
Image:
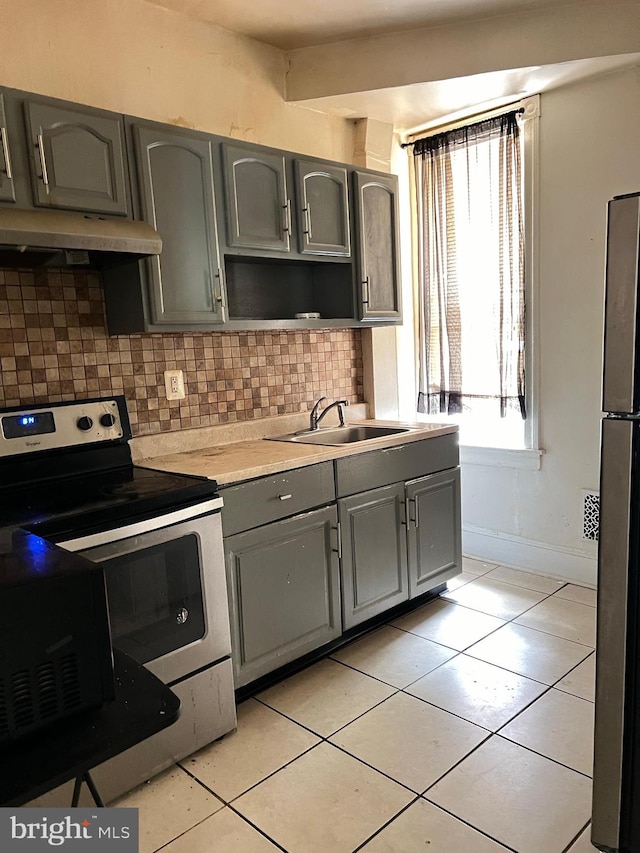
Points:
[(290, 24), (293, 24)]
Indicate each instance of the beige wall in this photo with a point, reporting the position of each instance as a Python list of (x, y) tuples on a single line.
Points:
[(589, 152), (132, 57)]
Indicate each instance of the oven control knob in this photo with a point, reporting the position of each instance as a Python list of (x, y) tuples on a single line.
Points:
[(84, 423), (107, 420)]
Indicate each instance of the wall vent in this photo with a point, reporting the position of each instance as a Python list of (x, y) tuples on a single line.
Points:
[(590, 515)]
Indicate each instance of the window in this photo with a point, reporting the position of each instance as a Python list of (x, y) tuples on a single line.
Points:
[(473, 200)]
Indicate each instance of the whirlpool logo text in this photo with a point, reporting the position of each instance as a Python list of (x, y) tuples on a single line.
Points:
[(82, 830)]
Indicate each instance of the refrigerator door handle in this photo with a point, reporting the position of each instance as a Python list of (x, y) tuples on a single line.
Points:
[(616, 492), (621, 305)]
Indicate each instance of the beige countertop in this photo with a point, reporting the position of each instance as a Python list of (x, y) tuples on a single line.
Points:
[(218, 457)]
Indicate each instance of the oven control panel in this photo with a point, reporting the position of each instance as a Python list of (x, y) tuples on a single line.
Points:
[(61, 425)]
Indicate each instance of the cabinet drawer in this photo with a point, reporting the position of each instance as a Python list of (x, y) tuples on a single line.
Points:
[(258, 502), (394, 464)]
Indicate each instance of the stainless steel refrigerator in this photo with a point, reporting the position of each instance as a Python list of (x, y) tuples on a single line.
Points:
[(616, 775)]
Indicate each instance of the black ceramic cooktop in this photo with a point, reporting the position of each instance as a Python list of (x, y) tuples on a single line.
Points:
[(86, 503)]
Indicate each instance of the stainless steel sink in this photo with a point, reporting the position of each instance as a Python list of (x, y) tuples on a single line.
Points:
[(340, 435)]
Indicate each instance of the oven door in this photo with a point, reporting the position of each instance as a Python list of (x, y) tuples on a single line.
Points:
[(166, 588)]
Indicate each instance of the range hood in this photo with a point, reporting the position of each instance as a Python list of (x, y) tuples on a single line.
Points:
[(54, 231)]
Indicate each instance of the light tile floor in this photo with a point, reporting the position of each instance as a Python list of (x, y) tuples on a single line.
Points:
[(463, 727)]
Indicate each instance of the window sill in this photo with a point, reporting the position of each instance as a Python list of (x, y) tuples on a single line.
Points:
[(497, 457)]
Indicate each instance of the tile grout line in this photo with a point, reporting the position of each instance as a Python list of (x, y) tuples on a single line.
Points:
[(396, 691)]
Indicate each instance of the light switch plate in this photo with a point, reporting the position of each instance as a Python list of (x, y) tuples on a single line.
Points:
[(174, 384)]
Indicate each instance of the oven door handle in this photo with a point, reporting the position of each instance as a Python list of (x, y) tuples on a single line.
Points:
[(116, 534)]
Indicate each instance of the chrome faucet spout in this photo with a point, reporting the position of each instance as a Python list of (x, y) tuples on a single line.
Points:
[(337, 404), (314, 417)]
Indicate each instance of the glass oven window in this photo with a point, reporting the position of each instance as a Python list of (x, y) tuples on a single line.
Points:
[(155, 598)]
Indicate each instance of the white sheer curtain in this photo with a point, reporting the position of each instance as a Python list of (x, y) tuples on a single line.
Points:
[(468, 186)]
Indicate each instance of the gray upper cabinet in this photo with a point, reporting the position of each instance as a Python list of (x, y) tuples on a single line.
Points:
[(258, 209), (7, 190), (376, 208), (77, 158), (185, 282), (434, 530), (322, 204)]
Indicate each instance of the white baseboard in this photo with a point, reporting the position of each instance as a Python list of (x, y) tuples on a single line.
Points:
[(520, 553)]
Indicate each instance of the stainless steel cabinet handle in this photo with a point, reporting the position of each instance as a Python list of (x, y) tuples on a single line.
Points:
[(338, 530), (5, 152), (220, 293), (307, 221), (284, 497), (43, 162), (365, 291), (287, 216), (415, 519)]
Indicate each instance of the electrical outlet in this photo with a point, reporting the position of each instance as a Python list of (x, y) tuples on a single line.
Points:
[(174, 384)]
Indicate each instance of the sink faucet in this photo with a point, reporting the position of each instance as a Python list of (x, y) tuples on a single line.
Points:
[(315, 418)]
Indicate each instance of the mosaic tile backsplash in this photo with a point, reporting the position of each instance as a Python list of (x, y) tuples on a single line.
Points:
[(54, 346)]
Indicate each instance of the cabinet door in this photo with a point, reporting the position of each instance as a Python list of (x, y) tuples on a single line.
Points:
[(7, 191), (323, 209), (374, 553), (284, 589), (176, 188), (258, 208), (434, 530), (378, 249), (77, 158)]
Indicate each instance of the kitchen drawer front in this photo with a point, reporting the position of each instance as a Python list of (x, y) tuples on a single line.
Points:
[(394, 464), (259, 502)]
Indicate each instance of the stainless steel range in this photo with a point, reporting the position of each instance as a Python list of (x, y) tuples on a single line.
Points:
[(66, 474)]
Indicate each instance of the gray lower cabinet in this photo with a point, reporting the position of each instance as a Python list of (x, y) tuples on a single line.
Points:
[(185, 282), (374, 553), (378, 258), (7, 189), (77, 158), (284, 587), (433, 530), (258, 209), (323, 209)]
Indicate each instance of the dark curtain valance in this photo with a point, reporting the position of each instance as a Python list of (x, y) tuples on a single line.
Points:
[(469, 135)]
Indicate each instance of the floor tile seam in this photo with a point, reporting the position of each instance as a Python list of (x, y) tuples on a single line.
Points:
[(551, 634), (573, 601), (467, 654), (288, 718), (470, 825), (542, 755), (255, 784), (576, 837), (182, 834), (387, 683), (473, 722), (457, 763), (446, 710), (521, 711), (257, 828), (388, 823), (510, 618), (573, 669), (342, 749), (396, 690)]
